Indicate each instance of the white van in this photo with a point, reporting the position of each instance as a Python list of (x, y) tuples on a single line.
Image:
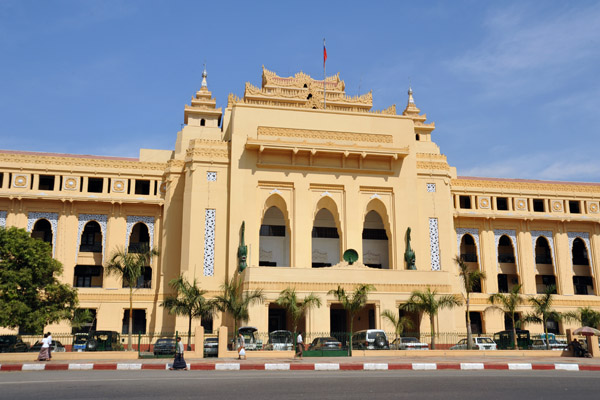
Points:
[(370, 339)]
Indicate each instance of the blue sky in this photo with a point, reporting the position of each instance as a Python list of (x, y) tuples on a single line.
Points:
[(513, 87)]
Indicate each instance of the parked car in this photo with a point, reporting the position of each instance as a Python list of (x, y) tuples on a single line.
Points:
[(104, 341), (479, 343), (164, 346), (211, 347), (540, 344), (56, 346), (80, 341), (12, 344), (325, 343), (408, 343), (280, 340), (370, 339), (249, 334)]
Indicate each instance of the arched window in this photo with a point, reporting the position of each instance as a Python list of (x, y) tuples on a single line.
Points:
[(375, 242), (91, 238), (274, 240), (325, 240), (468, 249), (542, 251), (42, 230), (580, 253), (202, 122), (507, 274), (545, 276), (583, 282), (140, 238)]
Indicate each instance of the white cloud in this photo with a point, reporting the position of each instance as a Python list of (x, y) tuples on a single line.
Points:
[(529, 48), (547, 166)]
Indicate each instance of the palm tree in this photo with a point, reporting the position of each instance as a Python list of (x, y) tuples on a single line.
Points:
[(353, 303), (426, 302), (399, 323), (470, 278), (235, 301), (188, 300), (508, 304), (129, 267), (542, 311), (81, 317), (586, 316), (297, 309)]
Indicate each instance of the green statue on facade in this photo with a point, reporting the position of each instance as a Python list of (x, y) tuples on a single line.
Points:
[(242, 250), (409, 254)]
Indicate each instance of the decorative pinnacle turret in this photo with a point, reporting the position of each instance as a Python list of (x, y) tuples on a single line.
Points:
[(204, 85), (410, 98)]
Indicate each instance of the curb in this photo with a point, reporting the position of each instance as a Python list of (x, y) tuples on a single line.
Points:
[(472, 366)]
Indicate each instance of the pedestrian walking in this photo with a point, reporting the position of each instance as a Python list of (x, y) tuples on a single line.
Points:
[(241, 347), (299, 346), (50, 346), (179, 361), (44, 355)]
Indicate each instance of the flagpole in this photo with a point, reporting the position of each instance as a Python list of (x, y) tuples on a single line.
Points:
[(324, 76)]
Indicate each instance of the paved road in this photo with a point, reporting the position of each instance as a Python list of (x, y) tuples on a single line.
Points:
[(347, 385)]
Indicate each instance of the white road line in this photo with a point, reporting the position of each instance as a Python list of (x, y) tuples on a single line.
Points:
[(33, 367), (277, 367), (375, 366), (327, 367), (471, 366), (424, 366), (227, 367), (81, 366), (514, 366), (567, 367), (129, 366)]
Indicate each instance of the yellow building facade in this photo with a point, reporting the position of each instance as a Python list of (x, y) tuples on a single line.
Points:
[(308, 182)]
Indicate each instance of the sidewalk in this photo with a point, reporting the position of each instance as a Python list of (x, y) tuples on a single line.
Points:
[(474, 362)]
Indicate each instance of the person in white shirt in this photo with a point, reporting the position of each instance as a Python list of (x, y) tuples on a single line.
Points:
[(49, 346), (43, 355), (300, 347)]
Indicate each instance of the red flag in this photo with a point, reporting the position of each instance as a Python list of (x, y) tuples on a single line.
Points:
[(324, 53)]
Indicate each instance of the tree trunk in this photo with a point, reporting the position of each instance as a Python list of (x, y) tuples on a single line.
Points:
[(130, 330), (546, 333), (514, 332), (432, 322), (189, 345), (469, 333)]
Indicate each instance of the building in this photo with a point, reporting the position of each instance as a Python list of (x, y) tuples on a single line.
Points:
[(300, 183)]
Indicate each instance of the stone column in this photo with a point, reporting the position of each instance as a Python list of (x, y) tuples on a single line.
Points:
[(199, 342)]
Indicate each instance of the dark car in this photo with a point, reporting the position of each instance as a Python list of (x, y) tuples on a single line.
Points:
[(12, 344), (164, 347), (56, 346), (211, 347), (103, 341), (325, 343)]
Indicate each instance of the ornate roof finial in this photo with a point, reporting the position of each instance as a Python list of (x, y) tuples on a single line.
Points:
[(411, 107), (204, 86), (410, 98)]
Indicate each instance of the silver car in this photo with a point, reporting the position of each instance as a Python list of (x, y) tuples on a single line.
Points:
[(479, 343)]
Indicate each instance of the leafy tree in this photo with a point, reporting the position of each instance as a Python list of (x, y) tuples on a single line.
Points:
[(470, 278), (296, 308), (586, 316), (353, 303), (189, 301), (426, 302), (399, 323), (508, 304), (31, 296), (543, 311), (236, 301), (129, 267), (80, 318)]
